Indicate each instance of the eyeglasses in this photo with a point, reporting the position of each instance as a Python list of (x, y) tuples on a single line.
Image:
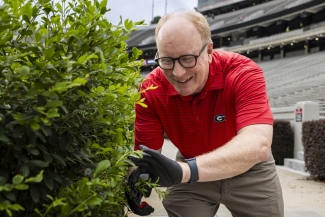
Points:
[(186, 61)]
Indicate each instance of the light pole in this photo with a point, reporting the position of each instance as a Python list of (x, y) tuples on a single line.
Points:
[(153, 6)]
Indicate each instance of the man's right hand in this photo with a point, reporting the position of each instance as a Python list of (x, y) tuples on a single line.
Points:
[(134, 196), (168, 172)]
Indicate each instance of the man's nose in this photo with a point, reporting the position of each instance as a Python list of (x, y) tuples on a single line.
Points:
[(178, 70)]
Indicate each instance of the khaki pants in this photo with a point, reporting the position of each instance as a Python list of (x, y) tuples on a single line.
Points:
[(255, 193)]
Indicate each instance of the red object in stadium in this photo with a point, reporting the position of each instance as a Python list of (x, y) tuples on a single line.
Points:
[(298, 114)]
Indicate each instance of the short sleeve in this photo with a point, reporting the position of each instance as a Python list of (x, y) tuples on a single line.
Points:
[(250, 94)]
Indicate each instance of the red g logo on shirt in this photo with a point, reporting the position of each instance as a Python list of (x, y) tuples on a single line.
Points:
[(219, 118)]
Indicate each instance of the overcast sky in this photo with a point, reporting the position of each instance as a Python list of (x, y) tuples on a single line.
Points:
[(137, 10)]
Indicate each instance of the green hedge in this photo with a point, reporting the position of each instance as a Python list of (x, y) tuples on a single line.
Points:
[(67, 94), (313, 139), (282, 142)]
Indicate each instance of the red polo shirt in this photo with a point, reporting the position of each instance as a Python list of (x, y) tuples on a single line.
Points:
[(233, 97)]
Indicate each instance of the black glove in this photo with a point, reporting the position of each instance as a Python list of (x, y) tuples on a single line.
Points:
[(158, 166), (134, 196)]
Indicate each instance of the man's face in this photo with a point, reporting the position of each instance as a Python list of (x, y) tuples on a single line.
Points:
[(175, 39)]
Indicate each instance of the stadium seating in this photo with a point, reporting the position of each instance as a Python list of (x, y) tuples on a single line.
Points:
[(248, 14), (140, 36), (293, 79), (227, 19)]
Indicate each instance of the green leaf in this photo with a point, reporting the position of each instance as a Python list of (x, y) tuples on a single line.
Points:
[(15, 207), (128, 24), (60, 86), (65, 209), (135, 52), (5, 27), (24, 169), (9, 213), (100, 89), (71, 32), (8, 187), (103, 3), (118, 137), (113, 183), (39, 163), (26, 18), (81, 93), (55, 176), (48, 182), (102, 166), (27, 9), (52, 113), (38, 36), (54, 38), (49, 52), (59, 159), (58, 202), (9, 195), (34, 193), (141, 22), (24, 70), (38, 212), (79, 81), (100, 110), (37, 178), (58, 5), (84, 192), (21, 187), (109, 193), (64, 109), (17, 179), (82, 58), (129, 162), (4, 203), (34, 125), (81, 207), (47, 158), (32, 150), (54, 103), (92, 56), (142, 104), (50, 197), (3, 137), (94, 201)]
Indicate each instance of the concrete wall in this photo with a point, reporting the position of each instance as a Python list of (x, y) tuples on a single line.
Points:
[(302, 111), (285, 113)]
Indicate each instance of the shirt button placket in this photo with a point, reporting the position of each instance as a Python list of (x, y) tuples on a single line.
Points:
[(197, 118)]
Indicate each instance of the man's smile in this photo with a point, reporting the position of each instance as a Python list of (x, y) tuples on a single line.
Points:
[(184, 81)]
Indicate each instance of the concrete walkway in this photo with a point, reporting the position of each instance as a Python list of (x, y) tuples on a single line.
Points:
[(302, 197)]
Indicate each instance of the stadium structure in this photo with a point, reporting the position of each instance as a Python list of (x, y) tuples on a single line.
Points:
[(285, 37)]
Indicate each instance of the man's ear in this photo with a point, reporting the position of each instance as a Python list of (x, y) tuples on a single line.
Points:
[(210, 51)]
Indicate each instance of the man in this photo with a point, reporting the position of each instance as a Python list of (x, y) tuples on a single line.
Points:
[(214, 108)]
